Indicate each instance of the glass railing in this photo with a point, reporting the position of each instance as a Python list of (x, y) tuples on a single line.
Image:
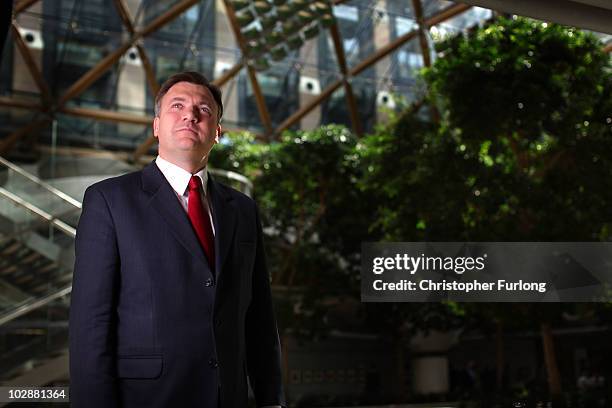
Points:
[(37, 230), (27, 189), (233, 179)]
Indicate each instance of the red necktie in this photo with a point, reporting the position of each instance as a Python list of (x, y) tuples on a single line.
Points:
[(200, 220)]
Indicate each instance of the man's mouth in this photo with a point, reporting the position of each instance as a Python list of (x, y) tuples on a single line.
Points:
[(188, 129)]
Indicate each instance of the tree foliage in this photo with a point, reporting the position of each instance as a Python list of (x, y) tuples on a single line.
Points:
[(527, 104), (523, 152)]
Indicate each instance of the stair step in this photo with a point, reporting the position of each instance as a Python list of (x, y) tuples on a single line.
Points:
[(11, 248)]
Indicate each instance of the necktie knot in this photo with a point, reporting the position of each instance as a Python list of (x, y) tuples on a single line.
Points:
[(195, 183)]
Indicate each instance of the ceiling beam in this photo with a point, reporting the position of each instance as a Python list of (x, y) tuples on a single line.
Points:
[(446, 14), (229, 74), (22, 104), (348, 89), (97, 71), (8, 142), (23, 5), (304, 110), (168, 16), (93, 74), (384, 51), (260, 100), (146, 62), (418, 13), (262, 108), (443, 15), (98, 114), (417, 6), (124, 14), (143, 148), (107, 115), (148, 68)]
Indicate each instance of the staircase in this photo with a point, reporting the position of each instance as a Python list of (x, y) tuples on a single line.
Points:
[(37, 230)]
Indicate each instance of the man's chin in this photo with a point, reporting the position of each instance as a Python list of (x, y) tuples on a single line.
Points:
[(194, 152), (188, 144)]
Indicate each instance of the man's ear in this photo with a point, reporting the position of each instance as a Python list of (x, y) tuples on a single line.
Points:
[(156, 126), (218, 133)]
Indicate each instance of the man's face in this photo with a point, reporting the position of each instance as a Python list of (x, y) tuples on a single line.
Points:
[(187, 126)]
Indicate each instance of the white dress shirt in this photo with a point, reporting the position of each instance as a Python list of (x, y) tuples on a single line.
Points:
[(179, 181)]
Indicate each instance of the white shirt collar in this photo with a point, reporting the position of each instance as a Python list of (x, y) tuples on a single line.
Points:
[(178, 177)]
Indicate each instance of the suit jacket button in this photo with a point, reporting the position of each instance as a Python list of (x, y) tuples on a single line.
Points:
[(213, 363), (209, 283)]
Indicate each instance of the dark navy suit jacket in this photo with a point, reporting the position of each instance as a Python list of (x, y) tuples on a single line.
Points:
[(150, 324)]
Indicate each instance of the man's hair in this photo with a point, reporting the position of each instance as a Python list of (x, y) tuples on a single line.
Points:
[(192, 78)]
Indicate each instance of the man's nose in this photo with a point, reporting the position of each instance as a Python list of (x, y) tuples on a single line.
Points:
[(191, 115)]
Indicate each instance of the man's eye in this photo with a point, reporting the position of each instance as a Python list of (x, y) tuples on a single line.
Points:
[(205, 110), (176, 105)]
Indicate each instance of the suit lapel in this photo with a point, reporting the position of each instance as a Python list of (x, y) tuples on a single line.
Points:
[(165, 201), (224, 217)]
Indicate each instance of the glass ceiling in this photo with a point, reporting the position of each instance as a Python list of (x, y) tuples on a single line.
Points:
[(73, 37)]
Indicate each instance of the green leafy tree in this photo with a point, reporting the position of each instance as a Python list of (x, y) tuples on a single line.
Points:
[(308, 196), (240, 152), (523, 151), (314, 217)]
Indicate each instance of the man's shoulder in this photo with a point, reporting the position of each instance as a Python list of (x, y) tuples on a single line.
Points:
[(238, 198), (117, 183), (232, 193)]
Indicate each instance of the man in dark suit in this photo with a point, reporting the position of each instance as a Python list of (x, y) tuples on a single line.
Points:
[(171, 303)]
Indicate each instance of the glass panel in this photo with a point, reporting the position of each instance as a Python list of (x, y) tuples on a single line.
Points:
[(12, 119), (406, 62), (279, 86), (35, 258), (356, 23), (185, 43), (149, 10), (77, 36), (432, 7), (33, 339), (336, 110), (37, 195), (79, 131), (166, 61), (467, 19), (247, 106)]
